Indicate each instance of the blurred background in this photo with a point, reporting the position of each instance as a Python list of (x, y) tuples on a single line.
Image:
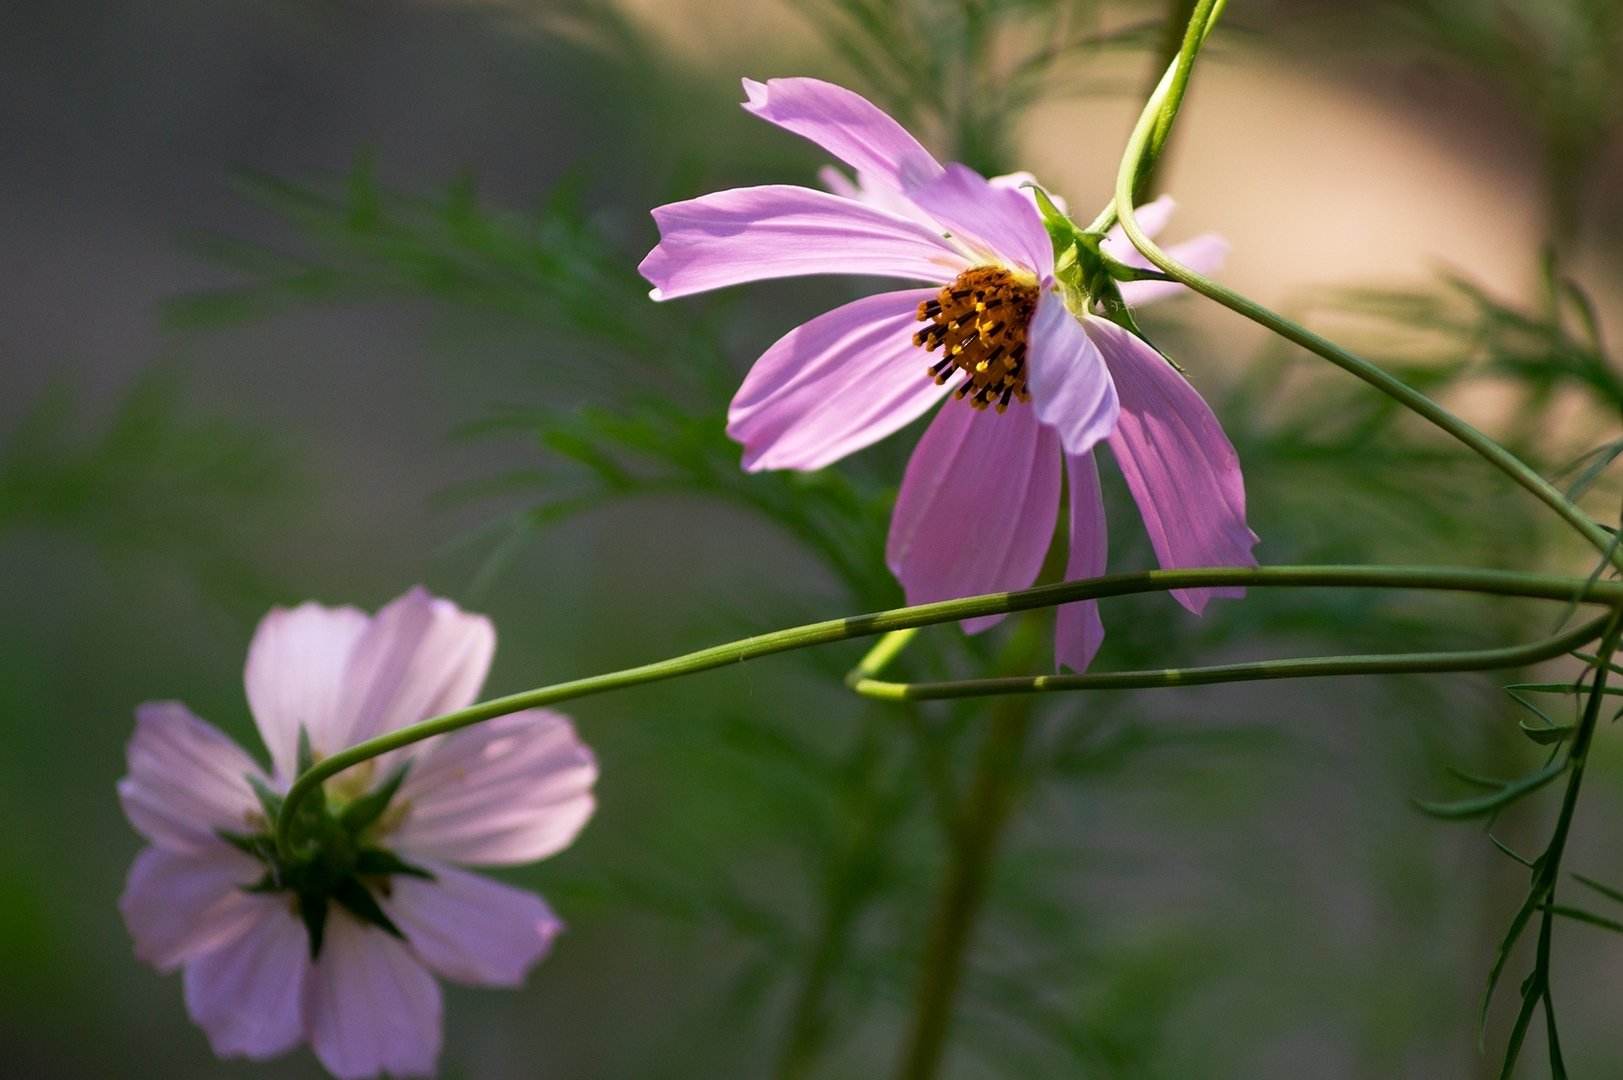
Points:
[(323, 300)]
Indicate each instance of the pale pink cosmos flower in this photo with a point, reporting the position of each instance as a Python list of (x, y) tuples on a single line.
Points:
[(1036, 384), (336, 948)]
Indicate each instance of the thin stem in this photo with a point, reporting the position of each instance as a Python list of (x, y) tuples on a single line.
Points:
[(1257, 671), (1492, 582), (1140, 147), (976, 832)]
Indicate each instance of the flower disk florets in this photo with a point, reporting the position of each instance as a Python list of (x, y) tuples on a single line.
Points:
[(979, 321)]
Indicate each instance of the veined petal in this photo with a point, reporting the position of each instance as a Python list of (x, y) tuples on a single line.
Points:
[(834, 385), (1078, 631), (977, 506), (247, 995), (369, 1005), (471, 929), (1000, 223), (756, 233), (512, 790), (1204, 254), (179, 904), (844, 123), (1071, 389), (294, 675), (186, 780), (1180, 467), (420, 656)]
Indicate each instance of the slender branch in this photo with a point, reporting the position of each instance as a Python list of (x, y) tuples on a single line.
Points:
[(1256, 671), (1491, 582)]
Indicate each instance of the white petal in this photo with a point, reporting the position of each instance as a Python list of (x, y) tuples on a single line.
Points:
[(247, 994), (370, 1006), (295, 675), (186, 779), (511, 790), (471, 929), (180, 904)]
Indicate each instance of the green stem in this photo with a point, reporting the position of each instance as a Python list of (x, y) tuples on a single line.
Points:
[(1141, 147), (976, 830), (1493, 582), (1257, 671)]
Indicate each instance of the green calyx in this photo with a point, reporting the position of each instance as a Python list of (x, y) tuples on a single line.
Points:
[(1087, 276), (335, 858)]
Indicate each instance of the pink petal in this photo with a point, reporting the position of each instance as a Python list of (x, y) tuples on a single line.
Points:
[(511, 790), (177, 905), (977, 506), (471, 929), (295, 673), (844, 123), (419, 657), (186, 780), (247, 995), (752, 234), (1204, 254), (1071, 389), (1000, 223), (1078, 631), (1180, 467), (834, 385), (370, 1006)]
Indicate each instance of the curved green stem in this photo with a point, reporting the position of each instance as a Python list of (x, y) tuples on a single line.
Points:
[(1141, 146), (1307, 667), (1493, 582)]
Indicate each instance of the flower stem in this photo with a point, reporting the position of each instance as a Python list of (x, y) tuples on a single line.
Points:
[(1144, 145), (974, 837), (1308, 667), (1492, 582)]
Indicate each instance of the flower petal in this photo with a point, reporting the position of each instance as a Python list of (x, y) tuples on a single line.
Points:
[(419, 657), (756, 233), (1071, 389), (1180, 467), (186, 779), (1078, 631), (977, 506), (370, 1006), (247, 995), (512, 790), (844, 123), (295, 674), (1203, 254), (834, 385), (1152, 217), (471, 929), (1001, 223), (179, 904)]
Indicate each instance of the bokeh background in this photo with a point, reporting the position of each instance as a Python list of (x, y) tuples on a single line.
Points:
[(322, 300)]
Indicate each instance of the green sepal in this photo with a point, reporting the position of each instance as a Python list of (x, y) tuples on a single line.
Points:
[(313, 910), (316, 803), (377, 862), (258, 845), (364, 906), (270, 882), (269, 801), (369, 807)]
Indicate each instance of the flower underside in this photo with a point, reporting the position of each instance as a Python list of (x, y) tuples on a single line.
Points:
[(979, 321)]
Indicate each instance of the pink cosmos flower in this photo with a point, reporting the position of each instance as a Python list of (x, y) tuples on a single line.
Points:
[(335, 946), (1035, 383)]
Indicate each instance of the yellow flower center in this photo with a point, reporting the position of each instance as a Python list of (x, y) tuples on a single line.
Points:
[(979, 322)]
